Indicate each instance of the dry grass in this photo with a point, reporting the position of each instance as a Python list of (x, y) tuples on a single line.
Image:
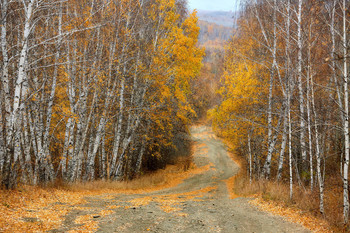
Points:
[(149, 182), (304, 205), (303, 209), (39, 209), (293, 215)]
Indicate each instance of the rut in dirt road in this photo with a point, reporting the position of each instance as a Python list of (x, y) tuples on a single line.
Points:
[(200, 204)]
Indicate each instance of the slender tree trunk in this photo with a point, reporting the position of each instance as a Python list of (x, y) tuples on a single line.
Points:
[(250, 160), (117, 136), (5, 75), (20, 93), (300, 85), (283, 145), (119, 126), (346, 119), (7, 139), (289, 96), (308, 107), (271, 141), (2, 148), (318, 151), (28, 169), (290, 149), (46, 132), (310, 133)]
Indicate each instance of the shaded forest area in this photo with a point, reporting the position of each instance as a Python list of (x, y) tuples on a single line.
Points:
[(285, 101), (207, 83), (94, 89), (213, 38)]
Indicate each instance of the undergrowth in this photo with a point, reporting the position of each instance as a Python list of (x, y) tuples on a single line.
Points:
[(303, 198), (41, 209), (146, 181)]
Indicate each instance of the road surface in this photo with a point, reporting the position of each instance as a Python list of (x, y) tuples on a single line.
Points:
[(201, 203)]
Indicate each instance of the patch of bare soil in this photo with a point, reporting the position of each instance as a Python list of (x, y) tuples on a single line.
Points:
[(201, 203)]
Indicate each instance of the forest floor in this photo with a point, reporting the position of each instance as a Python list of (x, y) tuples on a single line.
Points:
[(201, 203), (197, 200)]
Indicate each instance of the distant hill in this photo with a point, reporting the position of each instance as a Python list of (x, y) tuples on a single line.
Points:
[(216, 27), (212, 35), (224, 18)]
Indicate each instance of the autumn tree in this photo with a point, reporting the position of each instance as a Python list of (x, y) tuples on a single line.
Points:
[(285, 92), (93, 89)]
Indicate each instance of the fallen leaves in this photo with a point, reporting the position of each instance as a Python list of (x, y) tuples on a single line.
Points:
[(34, 209), (230, 183), (139, 202), (292, 215)]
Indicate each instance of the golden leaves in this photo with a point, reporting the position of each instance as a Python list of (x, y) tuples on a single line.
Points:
[(34, 209), (293, 215), (243, 91)]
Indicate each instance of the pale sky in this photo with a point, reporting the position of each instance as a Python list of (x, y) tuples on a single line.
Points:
[(211, 5)]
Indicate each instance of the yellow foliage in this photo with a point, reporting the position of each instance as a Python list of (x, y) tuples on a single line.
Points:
[(243, 90)]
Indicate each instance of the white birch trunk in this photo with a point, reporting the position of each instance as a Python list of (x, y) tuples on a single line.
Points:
[(346, 120), (46, 141), (289, 96), (290, 149), (310, 133), (318, 151), (5, 153), (283, 145), (271, 141), (142, 150), (20, 92), (102, 124), (140, 157), (104, 159), (300, 85), (119, 126), (21, 82), (308, 107), (126, 142), (65, 156), (5, 75), (28, 170), (2, 147), (118, 132), (250, 160)]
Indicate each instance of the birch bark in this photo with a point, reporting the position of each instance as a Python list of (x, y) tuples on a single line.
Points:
[(271, 141), (300, 85), (346, 118), (6, 139), (318, 151)]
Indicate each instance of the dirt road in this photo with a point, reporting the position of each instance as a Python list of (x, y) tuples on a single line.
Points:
[(200, 204)]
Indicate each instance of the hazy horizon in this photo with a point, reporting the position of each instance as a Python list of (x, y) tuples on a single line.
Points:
[(209, 5)]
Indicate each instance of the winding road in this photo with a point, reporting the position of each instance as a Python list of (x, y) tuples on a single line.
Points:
[(201, 203)]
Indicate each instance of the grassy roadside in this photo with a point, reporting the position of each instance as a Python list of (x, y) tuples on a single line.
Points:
[(273, 197), (40, 209)]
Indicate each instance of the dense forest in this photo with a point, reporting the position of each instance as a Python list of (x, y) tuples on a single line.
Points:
[(94, 89), (107, 89), (285, 96), (213, 35)]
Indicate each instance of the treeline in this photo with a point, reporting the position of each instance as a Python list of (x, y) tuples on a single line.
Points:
[(285, 94), (93, 89), (205, 85), (211, 32)]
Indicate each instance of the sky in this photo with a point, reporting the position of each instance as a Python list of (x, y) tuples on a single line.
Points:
[(211, 5)]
